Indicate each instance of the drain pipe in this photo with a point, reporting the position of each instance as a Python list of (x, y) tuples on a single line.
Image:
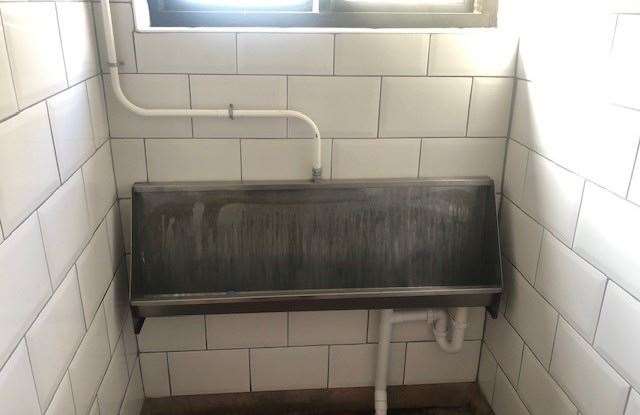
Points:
[(450, 341), (229, 112)]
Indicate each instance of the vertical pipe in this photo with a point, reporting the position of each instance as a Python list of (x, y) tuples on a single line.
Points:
[(382, 368)]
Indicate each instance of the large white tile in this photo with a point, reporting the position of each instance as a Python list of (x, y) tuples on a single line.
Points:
[(342, 107), (589, 381), (100, 184), (194, 159), (625, 62), (505, 399), (210, 371), (114, 384), (129, 164), (353, 366), (186, 52), (540, 393), (552, 195), (505, 344), (490, 109), (244, 92), (285, 53), (449, 157), (35, 52), (123, 27), (608, 235), (327, 327), (427, 363), (89, 364), (54, 337), (479, 53), (94, 272), (134, 396), (98, 110), (515, 167), (24, 283), (521, 239), (424, 107), (149, 91), (155, 374), (115, 305), (28, 170), (282, 159), (8, 102), (375, 158), (571, 285), (381, 54), (234, 331), (172, 333), (64, 220), (71, 126), (524, 120), (17, 391), (78, 40), (487, 371), (62, 402), (289, 368), (618, 333)]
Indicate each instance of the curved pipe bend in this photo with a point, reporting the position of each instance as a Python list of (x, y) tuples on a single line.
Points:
[(450, 339)]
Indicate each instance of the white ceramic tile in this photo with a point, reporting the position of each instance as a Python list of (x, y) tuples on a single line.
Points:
[(633, 406), (608, 235), (505, 344), (114, 384), (618, 334), (89, 364), (234, 331), (375, 158), (94, 272), (533, 318), (342, 107), (62, 403), (125, 212), (194, 159), (490, 108), (524, 121), (17, 391), (540, 393), (381, 54), (114, 232), (487, 370), (589, 381), (514, 170), (282, 159), (71, 127), (285, 53), (244, 92), (134, 397), (28, 170), (64, 220), (24, 283), (115, 305), (35, 53), (129, 164), (155, 374), (424, 107), (78, 40), (123, 27), (54, 337), (289, 368), (130, 342), (521, 239), (186, 52), (353, 366), (505, 399), (552, 195), (149, 91), (571, 285), (210, 371), (451, 157), (327, 327), (427, 363), (99, 183), (479, 53), (98, 110), (8, 102), (625, 62), (172, 333)]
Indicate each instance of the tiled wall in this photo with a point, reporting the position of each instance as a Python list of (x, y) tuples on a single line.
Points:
[(387, 105), (66, 339), (567, 339)]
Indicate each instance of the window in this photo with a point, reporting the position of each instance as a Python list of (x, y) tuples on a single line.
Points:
[(323, 13)]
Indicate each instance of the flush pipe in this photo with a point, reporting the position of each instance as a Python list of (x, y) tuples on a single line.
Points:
[(229, 112), (450, 340)]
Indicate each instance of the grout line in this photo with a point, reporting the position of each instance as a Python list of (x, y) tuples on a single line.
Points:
[(379, 109), (426, 70), (633, 171), (575, 226), (33, 376), (333, 58), (420, 158), (146, 161), (46, 257), (250, 374), (236, 46), (58, 29), (55, 151), (166, 356), (473, 81), (6, 48)]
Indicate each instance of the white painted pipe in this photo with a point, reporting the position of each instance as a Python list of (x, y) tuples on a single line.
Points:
[(450, 340), (184, 112)]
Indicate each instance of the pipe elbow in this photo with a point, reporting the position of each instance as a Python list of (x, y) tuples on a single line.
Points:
[(450, 338)]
